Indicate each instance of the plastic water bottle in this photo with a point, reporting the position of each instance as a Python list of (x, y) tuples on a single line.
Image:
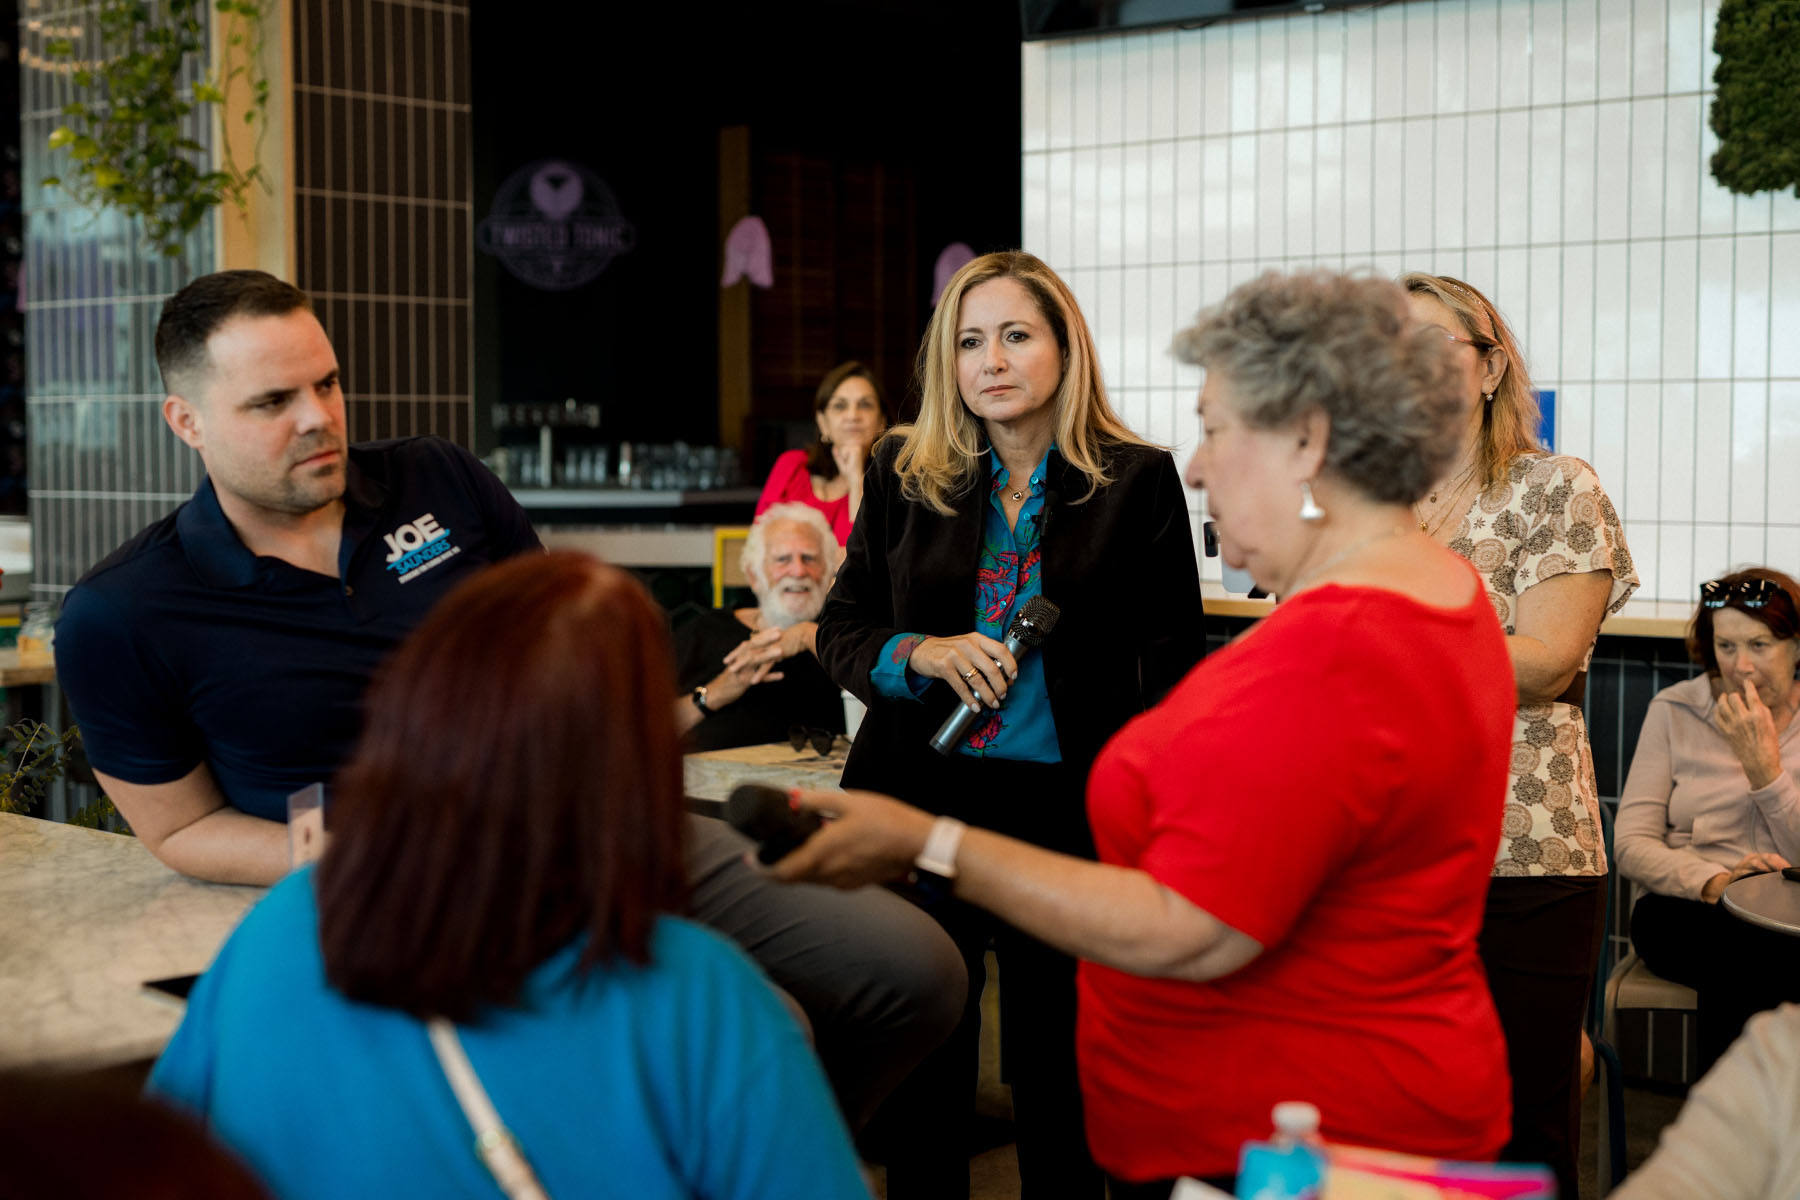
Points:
[(1290, 1165)]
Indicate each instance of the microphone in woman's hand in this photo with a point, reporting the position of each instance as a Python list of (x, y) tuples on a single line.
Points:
[(768, 816), (1029, 629)]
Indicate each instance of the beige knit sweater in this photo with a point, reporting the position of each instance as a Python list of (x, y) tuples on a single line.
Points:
[(1688, 811)]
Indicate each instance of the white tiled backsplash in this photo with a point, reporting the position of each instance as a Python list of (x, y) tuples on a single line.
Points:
[(1552, 152)]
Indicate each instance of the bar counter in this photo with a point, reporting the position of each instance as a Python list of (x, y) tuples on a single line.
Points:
[(638, 546)]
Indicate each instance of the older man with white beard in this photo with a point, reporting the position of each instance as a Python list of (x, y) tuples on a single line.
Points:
[(748, 675)]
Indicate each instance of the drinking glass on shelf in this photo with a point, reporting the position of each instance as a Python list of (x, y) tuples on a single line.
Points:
[(581, 466), (37, 634), (500, 463)]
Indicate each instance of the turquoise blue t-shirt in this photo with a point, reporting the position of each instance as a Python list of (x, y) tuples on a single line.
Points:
[(1009, 575), (682, 1078)]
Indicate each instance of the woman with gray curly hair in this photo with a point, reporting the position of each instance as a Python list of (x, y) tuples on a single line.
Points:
[(1540, 530), (1285, 908)]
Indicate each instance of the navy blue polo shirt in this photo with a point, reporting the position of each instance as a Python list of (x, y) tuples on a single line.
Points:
[(183, 647)]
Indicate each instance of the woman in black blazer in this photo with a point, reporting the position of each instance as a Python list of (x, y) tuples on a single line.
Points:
[(1016, 480)]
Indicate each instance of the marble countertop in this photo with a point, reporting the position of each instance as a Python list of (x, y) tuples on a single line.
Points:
[(712, 774), (85, 918)]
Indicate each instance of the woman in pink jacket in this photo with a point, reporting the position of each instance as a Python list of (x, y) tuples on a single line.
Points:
[(828, 475)]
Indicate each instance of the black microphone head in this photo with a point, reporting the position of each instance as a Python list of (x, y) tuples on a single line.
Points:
[(757, 810), (765, 816), (1035, 621)]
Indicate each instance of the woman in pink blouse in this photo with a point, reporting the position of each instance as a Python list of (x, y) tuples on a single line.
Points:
[(1713, 796), (828, 475), (1548, 544)]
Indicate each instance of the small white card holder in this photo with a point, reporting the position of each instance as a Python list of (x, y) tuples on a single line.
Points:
[(306, 825)]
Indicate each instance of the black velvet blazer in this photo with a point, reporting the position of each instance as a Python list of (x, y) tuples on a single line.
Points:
[(1119, 564)]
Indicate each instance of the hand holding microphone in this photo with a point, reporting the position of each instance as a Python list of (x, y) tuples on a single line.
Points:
[(865, 837), (1029, 629), (978, 668)]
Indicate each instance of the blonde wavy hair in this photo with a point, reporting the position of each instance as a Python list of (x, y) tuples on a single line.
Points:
[(1509, 422), (940, 452)]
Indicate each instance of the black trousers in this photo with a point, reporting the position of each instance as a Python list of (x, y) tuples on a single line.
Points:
[(1540, 937), (1737, 969), (926, 1127), (880, 983)]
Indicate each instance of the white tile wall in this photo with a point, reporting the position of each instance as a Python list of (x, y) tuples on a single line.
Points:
[(1553, 152)]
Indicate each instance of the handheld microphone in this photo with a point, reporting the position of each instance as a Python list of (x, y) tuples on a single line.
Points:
[(767, 817), (1029, 629)]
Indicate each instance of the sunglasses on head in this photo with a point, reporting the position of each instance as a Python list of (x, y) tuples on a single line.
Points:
[(1750, 593), (802, 736)]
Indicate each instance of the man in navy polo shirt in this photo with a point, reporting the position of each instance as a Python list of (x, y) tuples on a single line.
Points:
[(216, 662)]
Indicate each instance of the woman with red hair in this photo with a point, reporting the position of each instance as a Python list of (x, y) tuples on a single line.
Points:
[(506, 855)]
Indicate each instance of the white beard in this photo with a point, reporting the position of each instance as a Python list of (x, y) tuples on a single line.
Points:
[(785, 609)]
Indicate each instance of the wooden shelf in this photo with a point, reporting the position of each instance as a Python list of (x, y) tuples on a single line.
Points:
[(1639, 618), (15, 674)]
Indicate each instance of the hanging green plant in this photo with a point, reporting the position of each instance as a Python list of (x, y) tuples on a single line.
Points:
[(128, 132), (1756, 110)]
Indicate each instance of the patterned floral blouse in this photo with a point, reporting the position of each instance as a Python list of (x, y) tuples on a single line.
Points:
[(1549, 516)]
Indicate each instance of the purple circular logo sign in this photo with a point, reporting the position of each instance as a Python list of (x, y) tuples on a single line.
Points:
[(555, 226)]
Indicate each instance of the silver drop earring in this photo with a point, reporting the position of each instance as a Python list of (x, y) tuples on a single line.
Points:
[(1309, 508)]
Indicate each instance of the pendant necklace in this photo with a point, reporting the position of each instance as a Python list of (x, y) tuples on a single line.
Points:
[(1340, 556), (1431, 529)]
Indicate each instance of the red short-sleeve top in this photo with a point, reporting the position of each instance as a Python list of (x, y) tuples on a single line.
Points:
[(1331, 785)]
